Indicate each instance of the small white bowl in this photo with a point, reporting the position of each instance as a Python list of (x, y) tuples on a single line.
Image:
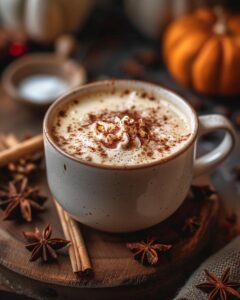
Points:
[(63, 69)]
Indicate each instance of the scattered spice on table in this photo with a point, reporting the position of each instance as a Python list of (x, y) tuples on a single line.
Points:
[(148, 57), (132, 68), (220, 288), (190, 225), (25, 166), (19, 200), (236, 172), (201, 193), (148, 253), (42, 245)]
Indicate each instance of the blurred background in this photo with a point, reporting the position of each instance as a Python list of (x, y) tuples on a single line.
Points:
[(115, 38)]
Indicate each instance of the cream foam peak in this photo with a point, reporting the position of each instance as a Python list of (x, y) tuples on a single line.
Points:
[(120, 128), (123, 133)]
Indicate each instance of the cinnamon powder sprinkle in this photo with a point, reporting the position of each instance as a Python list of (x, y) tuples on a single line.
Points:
[(97, 133), (136, 126)]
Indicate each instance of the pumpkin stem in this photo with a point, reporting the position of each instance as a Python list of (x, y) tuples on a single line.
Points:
[(220, 26)]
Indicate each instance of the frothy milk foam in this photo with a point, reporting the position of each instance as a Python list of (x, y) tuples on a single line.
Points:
[(120, 128)]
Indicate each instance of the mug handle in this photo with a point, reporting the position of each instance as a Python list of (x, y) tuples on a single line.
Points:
[(211, 160)]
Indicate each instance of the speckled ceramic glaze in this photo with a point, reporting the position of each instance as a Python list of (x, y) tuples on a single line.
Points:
[(130, 198)]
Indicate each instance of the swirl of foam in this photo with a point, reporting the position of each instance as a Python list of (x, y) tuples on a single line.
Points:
[(123, 133)]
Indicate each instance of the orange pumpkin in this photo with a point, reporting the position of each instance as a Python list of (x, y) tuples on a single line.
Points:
[(202, 51)]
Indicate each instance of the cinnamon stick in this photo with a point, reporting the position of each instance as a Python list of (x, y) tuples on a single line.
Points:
[(10, 140), (7, 140), (77, 251), (20, 150)]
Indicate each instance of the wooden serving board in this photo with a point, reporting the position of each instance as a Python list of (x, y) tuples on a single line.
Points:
[(116, 273)]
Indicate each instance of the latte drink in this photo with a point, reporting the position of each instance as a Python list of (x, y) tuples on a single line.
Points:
[(120, 128)]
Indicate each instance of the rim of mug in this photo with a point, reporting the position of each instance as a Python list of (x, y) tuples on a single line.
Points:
[(113, 83)]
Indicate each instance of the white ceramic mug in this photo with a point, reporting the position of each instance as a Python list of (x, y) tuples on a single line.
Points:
[(130, 198)]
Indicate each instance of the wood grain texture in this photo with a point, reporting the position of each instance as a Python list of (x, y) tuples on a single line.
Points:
[(116, 273), (113, 263)]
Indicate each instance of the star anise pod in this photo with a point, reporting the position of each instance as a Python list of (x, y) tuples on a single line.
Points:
[(148, 252), (19, 200), (42, 245), (190, 225), (25, 166), (220, 288), (201, 193)]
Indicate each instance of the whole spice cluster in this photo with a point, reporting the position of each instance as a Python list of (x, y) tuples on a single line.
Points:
[(150, 251), (25, 167), (21, 201), (18, 198)]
